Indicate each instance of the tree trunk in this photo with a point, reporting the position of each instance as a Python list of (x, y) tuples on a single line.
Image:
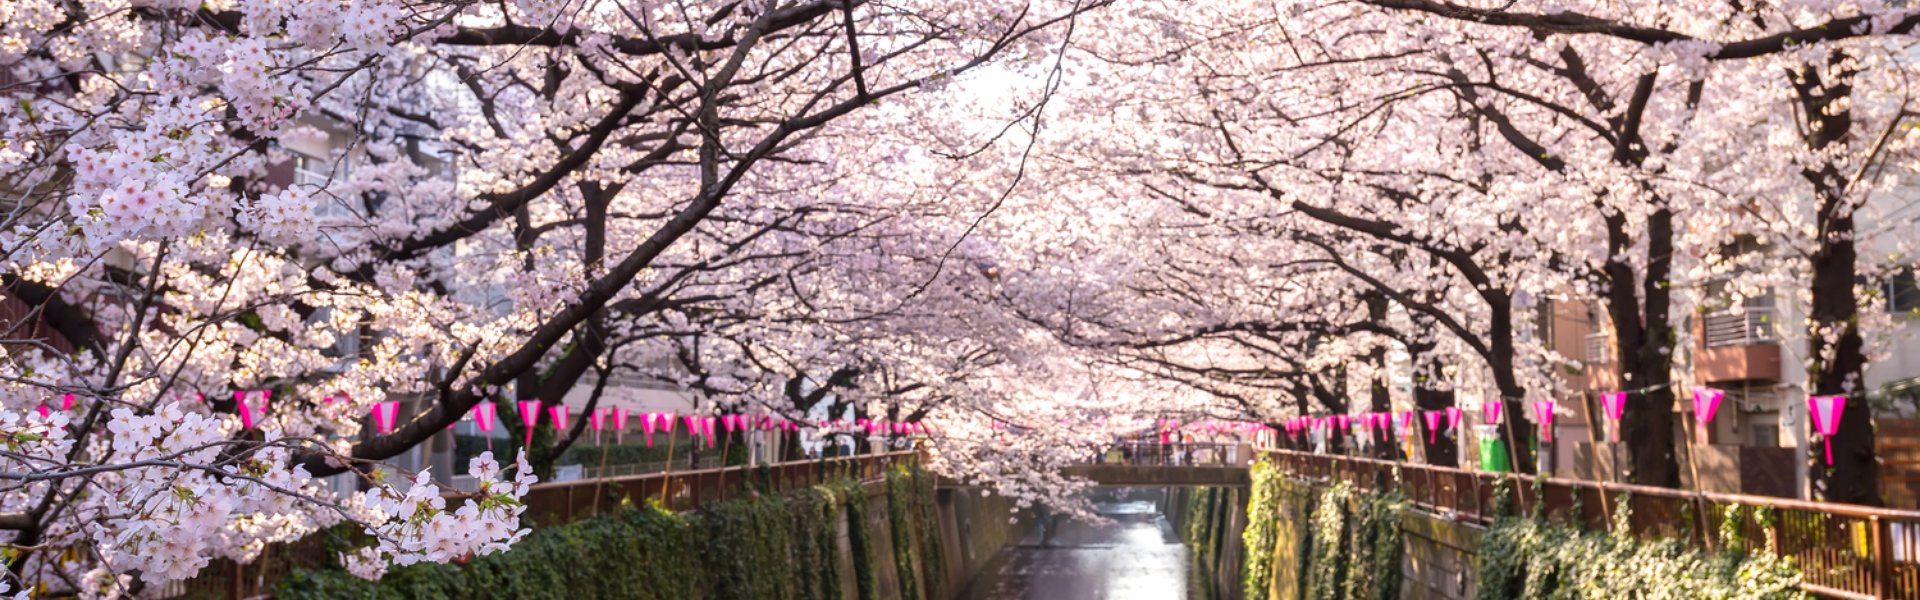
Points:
[(1643, 349), (1838, 367), (1440, 447), (1516, 429), (1379, 396), (1839, 360)]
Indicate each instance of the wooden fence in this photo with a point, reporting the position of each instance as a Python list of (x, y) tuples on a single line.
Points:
[(1842, 550), (554, 503)]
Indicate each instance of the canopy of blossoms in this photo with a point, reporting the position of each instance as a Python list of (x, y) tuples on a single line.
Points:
[(234, 230)]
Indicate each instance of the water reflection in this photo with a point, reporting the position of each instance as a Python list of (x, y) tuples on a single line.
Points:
[(1135, 556)]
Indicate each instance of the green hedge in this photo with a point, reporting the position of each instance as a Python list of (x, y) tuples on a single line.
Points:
[(639, 553), (1531, 558), (770, 547)]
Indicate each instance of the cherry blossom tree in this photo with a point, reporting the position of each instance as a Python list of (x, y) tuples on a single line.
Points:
[(1470, 159), (330, 206)]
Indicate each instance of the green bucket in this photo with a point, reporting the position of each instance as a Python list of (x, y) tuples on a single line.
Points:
[(1493, 451)]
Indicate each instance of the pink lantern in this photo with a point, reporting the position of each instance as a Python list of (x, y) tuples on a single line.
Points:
[(1543, 410), (1491, 411), (1453, 417), (66, 402), (529, 417), (1824, 412), (619, 423), (385, 415), (483, 420), (707, 426), (1615, 405), (666, 422), (1706, 401), (1433, 426), (246, 412), (693, 425), (483, 416)]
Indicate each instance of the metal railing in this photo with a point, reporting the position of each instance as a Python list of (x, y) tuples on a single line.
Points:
[(1842, 550), (1597, 350), (1752, 325), (1175, 454)]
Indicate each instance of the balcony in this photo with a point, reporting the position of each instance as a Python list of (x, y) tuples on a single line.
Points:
[(1596, 350), (1738, 346), (1745, 328)]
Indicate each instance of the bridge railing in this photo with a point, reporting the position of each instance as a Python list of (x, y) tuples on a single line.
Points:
[(1175, 454), (1842, 550)]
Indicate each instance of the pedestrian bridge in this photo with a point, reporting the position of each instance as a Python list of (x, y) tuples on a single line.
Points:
[(1123, 475), (1161, 465)]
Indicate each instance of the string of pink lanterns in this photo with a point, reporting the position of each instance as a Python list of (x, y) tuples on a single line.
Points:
[(1824, 413)]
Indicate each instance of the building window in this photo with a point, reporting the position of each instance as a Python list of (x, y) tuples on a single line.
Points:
[(1902, 294), (1765, 434), (309, 172)]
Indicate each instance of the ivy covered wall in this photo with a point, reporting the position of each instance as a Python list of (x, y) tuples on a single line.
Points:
[(1528, 557), (1209, 520), (1316, 542), (785, 546)]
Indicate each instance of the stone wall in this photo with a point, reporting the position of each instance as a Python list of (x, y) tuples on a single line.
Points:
[(974, 528), (1219, 556), (1437, 555), (1438, 558), (1295, 509)]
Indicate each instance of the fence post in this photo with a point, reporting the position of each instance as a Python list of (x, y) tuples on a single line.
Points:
[(1882, 558)]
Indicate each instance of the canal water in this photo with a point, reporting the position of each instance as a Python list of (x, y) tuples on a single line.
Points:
[(1133, 556)]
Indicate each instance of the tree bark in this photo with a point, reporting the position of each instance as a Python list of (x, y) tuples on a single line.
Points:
[(1440, 447), (1833, 336), (1643, 339)]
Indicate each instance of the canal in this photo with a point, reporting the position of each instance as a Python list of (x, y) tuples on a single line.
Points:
[(1134, 555)]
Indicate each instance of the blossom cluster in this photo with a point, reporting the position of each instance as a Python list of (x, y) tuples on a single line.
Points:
[(415, 526)]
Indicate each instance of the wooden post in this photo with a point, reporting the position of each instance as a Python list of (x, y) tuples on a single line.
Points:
[(600, 477), (1513, 455), (1882, 556), (1593, 437), (1693, 466), (666, 477)]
